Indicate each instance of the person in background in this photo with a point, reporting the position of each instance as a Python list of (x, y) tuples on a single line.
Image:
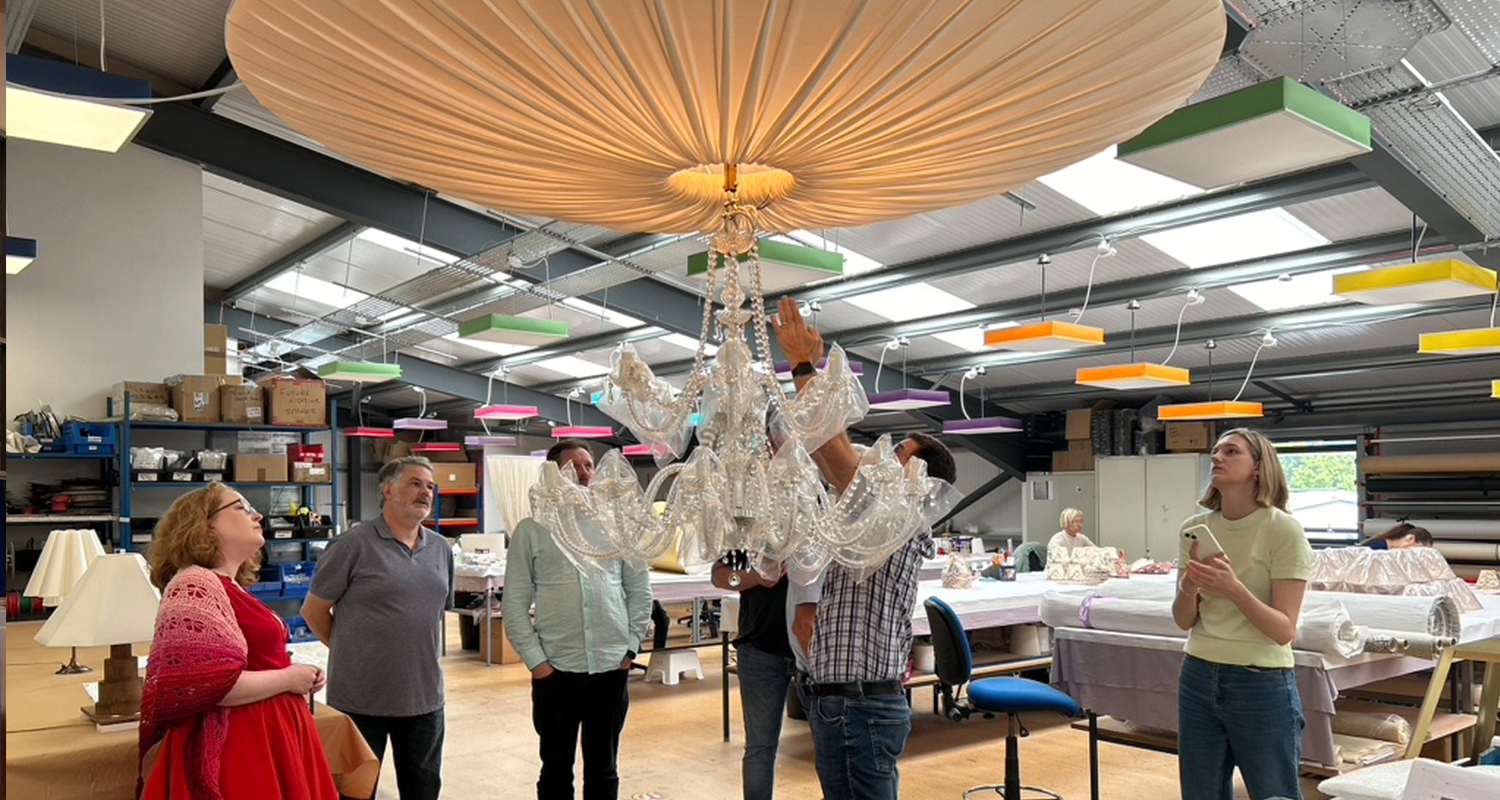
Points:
[(1402, 536), (858, 634), (1071, 535), (377, 601), (589, 624), (223, 706), (1237, 697)]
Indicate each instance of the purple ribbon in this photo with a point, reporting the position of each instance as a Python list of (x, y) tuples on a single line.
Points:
[(1086, 610)]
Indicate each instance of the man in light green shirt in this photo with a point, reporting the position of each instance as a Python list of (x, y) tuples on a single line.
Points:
[(579, 645)]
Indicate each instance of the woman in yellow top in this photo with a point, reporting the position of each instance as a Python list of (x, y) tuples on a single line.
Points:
[(1237, 700)]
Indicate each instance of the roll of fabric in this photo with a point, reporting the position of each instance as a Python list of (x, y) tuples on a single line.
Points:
[(1435, 616), (1477, 552), (1377, 642), (1329, 630), (1417, 645), (1442, 463), (1091, 610), (1373, 725), (1478, 529)]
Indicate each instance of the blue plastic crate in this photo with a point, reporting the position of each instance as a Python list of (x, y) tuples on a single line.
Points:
[(93, 449), (78, 434), (298, 573), (266, 589), (298, 629), (294, 590)]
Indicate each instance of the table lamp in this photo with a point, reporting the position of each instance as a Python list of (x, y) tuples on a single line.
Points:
[(114, 604), (65, 557)]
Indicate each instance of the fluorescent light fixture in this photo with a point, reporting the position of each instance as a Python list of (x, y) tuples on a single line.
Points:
[(420, 424), (854, 263), (1472, 342), (1133, 376), (507, 413), (1238, 238), (969, 427), (1218, 409), (19, 253), (491, 441), (687, 343), (1045, 336), (971, 339), (582, 432), (370, 433), (1273, 128), (45, 101), (401, 244), (901, 303), (1416, 283), (1295, 291), (906, 399), (783, 265), (784, 368), (359, 371), (1107, 186), (573, 367), (316, 290), (528, 331), (437, 447)]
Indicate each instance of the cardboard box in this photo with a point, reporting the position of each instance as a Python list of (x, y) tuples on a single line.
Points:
[(215, 339), (141, 393), (460, 477), (221, 354), (1188, 437), (195, 398), (260, 468), (295, 402), (242, 405), (1080, 423), (1081, 454), (504, 653), (304, 472)]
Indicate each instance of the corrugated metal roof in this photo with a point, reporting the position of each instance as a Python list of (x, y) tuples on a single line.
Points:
[(245, 228), (183, 42), (1353, 215)]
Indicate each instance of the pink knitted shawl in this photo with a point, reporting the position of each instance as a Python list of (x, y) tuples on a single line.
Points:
[(197, 656)]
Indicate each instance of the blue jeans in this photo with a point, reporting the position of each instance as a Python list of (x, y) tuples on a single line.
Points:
[(858, 740), (1229, 716), (764, 679)]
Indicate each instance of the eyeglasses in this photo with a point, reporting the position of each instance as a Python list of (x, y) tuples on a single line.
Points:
[(244, 506)]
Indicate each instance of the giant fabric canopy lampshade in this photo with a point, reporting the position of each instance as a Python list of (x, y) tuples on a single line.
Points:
[(115, 605), (734, 118), (621, 114)]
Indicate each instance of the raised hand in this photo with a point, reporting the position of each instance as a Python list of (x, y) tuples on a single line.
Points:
[(799, 341)]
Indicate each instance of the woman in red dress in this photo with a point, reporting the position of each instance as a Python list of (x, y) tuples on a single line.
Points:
[(224, 713)]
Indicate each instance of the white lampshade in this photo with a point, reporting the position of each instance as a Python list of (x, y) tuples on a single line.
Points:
[(65, 557), (114, 603)]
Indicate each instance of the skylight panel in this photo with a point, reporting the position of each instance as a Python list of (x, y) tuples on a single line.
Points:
[(913, 301), (607, 314), (573, 367), (401, 244), (1239, 238), (691, 345), (1107, 186), (971, 339), (316, 290), (498, 348), (1296, 291)]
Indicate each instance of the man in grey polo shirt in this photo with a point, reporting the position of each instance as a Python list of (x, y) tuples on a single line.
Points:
[(385, 583)]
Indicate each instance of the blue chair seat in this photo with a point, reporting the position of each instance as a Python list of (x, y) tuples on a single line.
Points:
[(1011, 695)]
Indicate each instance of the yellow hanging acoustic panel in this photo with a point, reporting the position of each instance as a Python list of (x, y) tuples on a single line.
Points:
[(1217, 409), (1472, 342), (1495, 389), (1415, 283), (1133, 376), (1045, 336)]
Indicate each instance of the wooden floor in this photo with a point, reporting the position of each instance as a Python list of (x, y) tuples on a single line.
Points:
[(673, 748)]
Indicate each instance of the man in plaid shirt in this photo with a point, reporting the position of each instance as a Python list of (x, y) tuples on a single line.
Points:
[(857, 637)]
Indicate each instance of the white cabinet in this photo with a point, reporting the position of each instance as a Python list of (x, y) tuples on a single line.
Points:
[(1046, 494), (1144, 499)]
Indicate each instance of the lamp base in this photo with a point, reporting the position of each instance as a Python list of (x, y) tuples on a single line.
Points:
[(120, 691), (73, 667)]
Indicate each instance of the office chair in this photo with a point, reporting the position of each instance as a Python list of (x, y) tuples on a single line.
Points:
[(1009, 696)]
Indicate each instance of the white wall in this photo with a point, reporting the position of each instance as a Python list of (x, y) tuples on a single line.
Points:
[(997, 514), (117, 293)]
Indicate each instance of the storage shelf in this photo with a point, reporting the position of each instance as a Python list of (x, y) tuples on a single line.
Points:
[(25, 519), (227, 426), (60, 457), (458, 522), (231, 484), (458, 492)]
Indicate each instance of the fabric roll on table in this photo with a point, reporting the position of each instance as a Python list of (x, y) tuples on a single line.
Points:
[(1434, 616), (1417, 645), (1329, 629)]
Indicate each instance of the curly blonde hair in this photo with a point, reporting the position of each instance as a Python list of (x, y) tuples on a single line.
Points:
[(183, 538)]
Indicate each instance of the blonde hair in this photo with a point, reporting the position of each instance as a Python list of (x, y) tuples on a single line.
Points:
[(183, 538), (1271, 490), (1068, 516)]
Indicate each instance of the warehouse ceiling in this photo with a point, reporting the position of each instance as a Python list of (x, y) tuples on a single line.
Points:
[(310, 257)]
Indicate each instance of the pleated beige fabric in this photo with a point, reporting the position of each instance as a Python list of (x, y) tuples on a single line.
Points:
[(621, 112)]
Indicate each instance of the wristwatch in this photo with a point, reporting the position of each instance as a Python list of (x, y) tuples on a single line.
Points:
[(804, 368), (735, 579)]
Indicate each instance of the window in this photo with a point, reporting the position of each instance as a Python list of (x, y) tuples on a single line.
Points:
[(1325, 494)]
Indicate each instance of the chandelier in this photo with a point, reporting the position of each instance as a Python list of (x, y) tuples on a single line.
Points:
[(732, 118)]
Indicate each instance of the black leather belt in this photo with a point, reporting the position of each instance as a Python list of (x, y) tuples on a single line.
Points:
[(855, 689)]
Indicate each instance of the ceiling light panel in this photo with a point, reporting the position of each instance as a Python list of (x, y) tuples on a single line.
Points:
[(1239, 238), (317, 290), (434, 256), (1107, 186), (913, 301)]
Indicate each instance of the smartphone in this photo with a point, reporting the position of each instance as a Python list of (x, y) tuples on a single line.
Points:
[(1207, 544)]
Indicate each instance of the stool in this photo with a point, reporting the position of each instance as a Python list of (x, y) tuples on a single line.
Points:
[(669, 665), (989, 696)]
